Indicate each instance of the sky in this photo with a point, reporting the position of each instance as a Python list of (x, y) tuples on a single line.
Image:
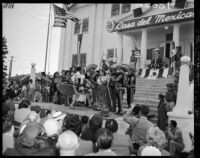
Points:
[(25, 28)]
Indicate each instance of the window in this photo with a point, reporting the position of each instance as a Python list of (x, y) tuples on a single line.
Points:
[(77, 28), (126, 7), (110, 53), (82, 60), (115, 9), (85, 24)]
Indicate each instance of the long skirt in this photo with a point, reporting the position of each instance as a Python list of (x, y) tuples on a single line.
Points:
[(31, 94)]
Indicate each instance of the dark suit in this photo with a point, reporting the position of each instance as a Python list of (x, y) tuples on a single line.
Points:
[(157, 63)]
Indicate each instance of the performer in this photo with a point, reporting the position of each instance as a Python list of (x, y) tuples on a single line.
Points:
[(178, 57), (30, 90), (130, 86), (111, 86), (119, 87), (133, 59)]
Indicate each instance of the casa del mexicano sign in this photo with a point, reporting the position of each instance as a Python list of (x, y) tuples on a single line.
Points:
[(169, 17)]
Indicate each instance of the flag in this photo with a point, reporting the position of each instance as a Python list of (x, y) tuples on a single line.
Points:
[(60, 19), (180, 3), (61, 15)]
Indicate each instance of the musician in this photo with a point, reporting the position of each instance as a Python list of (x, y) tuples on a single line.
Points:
[(130, 86), (119, 88), (157, 62)]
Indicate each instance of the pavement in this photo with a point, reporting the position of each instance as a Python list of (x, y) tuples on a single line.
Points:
[(122, 126)]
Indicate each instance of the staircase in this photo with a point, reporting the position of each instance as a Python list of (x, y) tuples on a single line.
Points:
[(147, 92)]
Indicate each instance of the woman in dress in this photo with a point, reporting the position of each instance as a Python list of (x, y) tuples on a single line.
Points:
[(31, 90), (102, 91)]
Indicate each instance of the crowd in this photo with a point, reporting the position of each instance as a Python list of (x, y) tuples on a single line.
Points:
[(31, 131)]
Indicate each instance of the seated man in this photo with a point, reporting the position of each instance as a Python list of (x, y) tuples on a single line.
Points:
[(157, 62), (175, 140)]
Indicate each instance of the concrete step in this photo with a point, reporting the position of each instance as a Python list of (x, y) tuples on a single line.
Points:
[(151, 86), (155, 81), (146, 101), (146, 93), (149, 90)]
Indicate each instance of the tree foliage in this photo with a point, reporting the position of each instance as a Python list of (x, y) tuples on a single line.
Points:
[(4, 53)]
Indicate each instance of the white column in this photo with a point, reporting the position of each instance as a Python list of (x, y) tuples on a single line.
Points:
[(119, 47), (176, 32), (184, 120), (93, 26), (143, 48)]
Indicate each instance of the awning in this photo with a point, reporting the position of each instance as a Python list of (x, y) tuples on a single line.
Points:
[(141, 22)]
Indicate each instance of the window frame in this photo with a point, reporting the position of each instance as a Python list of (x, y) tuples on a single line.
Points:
[(75, 24), (124, 6), (85, 19), (114, 8)]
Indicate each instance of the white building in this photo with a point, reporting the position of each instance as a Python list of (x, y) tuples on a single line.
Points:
[(113, 29)]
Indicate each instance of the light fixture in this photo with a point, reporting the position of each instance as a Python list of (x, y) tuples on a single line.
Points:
[(166, 27)]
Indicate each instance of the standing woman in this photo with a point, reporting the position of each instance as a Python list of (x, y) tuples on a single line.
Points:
[(102, 91), (130, 87)]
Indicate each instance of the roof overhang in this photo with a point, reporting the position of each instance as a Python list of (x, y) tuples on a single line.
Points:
[(158, 19)]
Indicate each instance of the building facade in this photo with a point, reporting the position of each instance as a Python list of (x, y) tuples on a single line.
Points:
[(113, 30)]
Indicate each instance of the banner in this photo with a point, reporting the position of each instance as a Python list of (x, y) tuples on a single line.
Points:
[(169, 17)]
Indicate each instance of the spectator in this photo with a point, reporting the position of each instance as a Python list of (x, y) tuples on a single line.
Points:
[(175, 140), (52, 130), (140, 126), (67, 143), (95, 123), (162, 113), (31, 143), (155, 138), (22, 112), (73, 123), (121, 144), (104, 140), (84, 120), (150, 151), (8, 131)]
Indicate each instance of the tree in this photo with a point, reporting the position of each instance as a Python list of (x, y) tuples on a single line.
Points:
[(4, 53)]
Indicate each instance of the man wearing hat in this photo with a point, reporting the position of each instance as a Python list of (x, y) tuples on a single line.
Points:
[(170, 96), (133, 59)]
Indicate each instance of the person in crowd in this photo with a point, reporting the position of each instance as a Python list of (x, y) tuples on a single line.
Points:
[(24, 94), (162, 119), (72, 122), (135, 112), (178, 56), (155, 138), (104, 65), (133, 59), (95, 123), (121, 144), (150, 151), (119, 84), (56, 93), (31, 143), (63, 75), (8, 131), (67, 143), (38, 94), (175, 139), (130, 86), (84, 120), (9, 102), (45, 87), (170, 97), (176, 80), (22, 112), (140, 125), (104, 138), (52, 130), (73, 70), (31, 89)]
